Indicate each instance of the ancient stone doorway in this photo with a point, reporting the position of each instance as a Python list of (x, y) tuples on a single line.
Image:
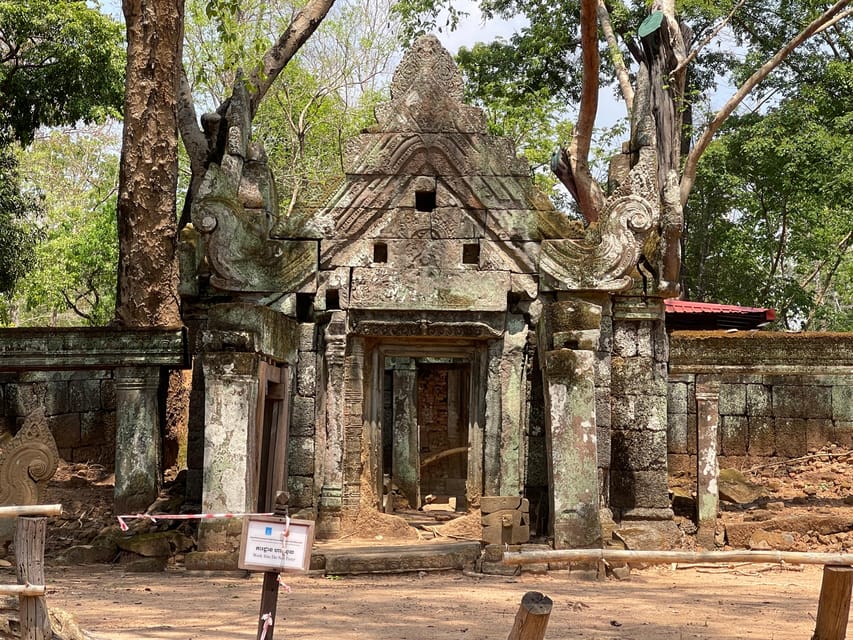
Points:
[(430, 431), (271, 431)]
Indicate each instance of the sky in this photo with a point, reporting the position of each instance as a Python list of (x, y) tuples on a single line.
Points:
[(472, 28)]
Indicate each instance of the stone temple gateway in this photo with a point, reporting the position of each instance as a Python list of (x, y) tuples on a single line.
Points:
[(433, 325)]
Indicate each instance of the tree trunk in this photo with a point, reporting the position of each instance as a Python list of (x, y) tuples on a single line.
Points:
[(147, 227)]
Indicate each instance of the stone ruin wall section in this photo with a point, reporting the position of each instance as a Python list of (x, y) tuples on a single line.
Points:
[(781, 395), (79, 407)]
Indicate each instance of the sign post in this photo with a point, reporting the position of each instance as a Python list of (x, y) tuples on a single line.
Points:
[(274, 544)]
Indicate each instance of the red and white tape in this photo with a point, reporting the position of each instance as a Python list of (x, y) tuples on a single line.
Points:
[(267, 618), (154, 517)]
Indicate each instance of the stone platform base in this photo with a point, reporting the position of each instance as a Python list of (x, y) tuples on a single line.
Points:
[(344, 559)]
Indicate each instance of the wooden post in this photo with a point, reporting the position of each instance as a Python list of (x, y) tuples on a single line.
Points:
[(29, 554), (532, 617), (269, 590), (833, 609)]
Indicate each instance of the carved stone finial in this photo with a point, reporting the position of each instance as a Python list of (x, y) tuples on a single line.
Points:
[(426, 94)]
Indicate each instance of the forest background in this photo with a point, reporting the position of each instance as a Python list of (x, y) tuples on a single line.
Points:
[(769, 220)]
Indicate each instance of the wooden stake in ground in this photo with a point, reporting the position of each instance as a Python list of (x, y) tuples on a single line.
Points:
[(29, 555), (532, 617), (269, 590), (833, 609)]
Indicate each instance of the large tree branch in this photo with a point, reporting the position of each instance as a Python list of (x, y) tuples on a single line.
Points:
[(616, 55), (573, 166), (193, 137), (300, 29), (830, 16)]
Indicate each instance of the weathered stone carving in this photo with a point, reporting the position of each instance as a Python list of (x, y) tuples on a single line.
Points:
[(234, 211), (604, 259), (28, 461)]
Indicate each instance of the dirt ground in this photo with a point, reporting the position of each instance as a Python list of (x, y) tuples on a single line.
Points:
[(654, 604)]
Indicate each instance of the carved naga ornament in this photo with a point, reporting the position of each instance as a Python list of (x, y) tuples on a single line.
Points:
[(235, 210), (605, 258), (27, 461)]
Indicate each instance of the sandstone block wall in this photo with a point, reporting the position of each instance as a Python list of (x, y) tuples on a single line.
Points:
[(79, 405), (780, 395), (302, 453)]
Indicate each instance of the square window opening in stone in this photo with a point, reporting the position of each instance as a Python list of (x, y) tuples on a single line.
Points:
[(425, 200), (305, 307), (333, 299), (471, 254), (380, 252)]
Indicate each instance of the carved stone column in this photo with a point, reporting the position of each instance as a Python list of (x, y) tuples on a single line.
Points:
[(331, 467), (138, 456), (707, 490), (568, 337), (406, 457)]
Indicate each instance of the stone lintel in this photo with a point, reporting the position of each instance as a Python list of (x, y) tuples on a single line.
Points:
[(91, 348), (429, 288), (253, 329)]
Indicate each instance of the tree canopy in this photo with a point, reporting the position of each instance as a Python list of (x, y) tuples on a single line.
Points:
[(60, 63)]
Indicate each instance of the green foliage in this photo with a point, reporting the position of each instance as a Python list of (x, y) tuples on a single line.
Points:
[(17, 236), (76, 176), (60, 62), (769, 221), (324, 95)]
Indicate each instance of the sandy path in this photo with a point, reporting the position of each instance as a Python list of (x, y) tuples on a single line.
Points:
[(655, 604)]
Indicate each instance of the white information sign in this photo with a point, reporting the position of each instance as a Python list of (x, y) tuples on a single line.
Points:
[(276, 544)]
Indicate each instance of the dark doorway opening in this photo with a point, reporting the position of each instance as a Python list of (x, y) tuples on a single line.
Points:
[(425, 433)]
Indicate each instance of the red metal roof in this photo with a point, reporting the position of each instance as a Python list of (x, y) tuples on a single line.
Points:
[(688, 306)]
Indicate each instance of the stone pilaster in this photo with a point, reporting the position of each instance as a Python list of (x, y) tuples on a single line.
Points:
[(707, 490), (568, 336), (360, 450), (231, 400), (331, 430), (406, 457), (492, 431), (138, 455), (513, 386)]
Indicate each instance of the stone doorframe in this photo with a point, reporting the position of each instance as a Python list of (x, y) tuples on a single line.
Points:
[(473, 353)]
